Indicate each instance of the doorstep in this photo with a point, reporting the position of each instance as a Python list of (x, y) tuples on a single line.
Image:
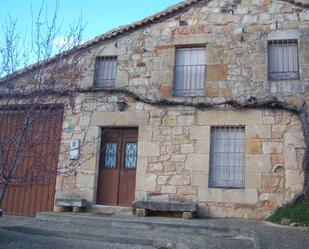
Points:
[(111, 210)]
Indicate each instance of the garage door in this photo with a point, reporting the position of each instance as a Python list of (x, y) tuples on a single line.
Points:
[(33, 187)]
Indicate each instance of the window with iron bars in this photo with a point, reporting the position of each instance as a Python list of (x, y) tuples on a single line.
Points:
[(283, 60), (105, 71), (190, 71), (227, 157)]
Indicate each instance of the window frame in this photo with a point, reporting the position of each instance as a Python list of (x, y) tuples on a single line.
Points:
[(295, 41), (211, 184), (96, 68), (189, 94)]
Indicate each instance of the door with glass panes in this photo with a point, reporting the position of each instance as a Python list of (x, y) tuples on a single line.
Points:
[(117, 170)]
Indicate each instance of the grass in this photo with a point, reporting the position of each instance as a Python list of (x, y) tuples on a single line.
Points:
[(298, 213)]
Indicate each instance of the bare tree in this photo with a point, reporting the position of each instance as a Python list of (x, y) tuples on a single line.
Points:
[(31, 99)]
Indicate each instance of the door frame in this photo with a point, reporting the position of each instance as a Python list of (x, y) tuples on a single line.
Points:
[(98, 157)]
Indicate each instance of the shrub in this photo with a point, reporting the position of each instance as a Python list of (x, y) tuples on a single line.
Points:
[(298, 213)]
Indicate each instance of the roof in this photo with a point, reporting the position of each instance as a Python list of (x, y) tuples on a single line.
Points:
[(168, 12)]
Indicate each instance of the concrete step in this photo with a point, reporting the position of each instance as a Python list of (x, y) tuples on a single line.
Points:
[(111, 210)]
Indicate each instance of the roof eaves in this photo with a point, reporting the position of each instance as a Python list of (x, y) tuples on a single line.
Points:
[(108, 35)]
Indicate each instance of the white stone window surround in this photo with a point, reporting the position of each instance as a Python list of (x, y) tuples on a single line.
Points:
[(278, 35), (227, 157), (253, 122)]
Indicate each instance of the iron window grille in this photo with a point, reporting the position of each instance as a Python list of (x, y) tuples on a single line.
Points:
[(190, 71), (283, 60), (227, 157), (105, 71)]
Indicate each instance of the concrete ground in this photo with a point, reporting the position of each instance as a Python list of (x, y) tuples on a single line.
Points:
[(96, 231)]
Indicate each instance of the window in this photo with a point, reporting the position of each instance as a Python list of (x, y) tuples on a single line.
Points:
[(190, 71), (105, 71), (227, 156), (283, 60)]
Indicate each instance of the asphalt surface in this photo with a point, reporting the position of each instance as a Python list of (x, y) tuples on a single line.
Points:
[(91, 231)]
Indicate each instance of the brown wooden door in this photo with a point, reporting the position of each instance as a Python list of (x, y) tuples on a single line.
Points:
[(33, 189), (117, 171)]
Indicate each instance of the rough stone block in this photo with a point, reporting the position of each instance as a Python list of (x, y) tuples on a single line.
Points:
[(77, 209), (258, 163), (187, 148), (200, 132), (85, 179), (141, 212), (216, 72), (144, 133), (188, 215), (178, 158), (71, 202), (253, 180), (129, 118), (163, 180), (58, 209), (239, 117), (148, 149), (165, 206), (248, 196), (294, 138), (202, 147), (186, 190), (272, 183), (166, 91), (185, 120), (272, 147), (197, 162), (294, 180), (162, 49), (170, 121), (155, 167), (146, 182), (253, 146), (258, 131), (167, 189), (142, 164), (180, 180), (199, 178)]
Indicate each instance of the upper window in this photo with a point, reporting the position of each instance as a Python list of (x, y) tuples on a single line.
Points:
[(105, 71), (227, 156), (283, 60), (190, 71)]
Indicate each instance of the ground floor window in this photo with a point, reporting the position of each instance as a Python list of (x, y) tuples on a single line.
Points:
[(227, 157)]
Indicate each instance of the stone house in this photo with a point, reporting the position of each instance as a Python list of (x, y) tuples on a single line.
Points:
[(142, 105)]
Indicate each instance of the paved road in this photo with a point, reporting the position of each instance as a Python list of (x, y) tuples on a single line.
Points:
[(86, 231)]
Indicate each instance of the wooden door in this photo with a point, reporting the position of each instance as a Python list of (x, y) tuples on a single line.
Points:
[(117, 171), (33, 187)]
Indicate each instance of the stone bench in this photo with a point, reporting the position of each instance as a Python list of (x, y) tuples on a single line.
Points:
[(142, 207), (66, 204)]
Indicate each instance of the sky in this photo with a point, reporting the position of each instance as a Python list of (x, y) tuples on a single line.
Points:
[(98, 15)]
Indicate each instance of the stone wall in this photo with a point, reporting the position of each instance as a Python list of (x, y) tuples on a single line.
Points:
[(173, 156)]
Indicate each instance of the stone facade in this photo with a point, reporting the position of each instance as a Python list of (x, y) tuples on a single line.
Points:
[(174, 141)]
